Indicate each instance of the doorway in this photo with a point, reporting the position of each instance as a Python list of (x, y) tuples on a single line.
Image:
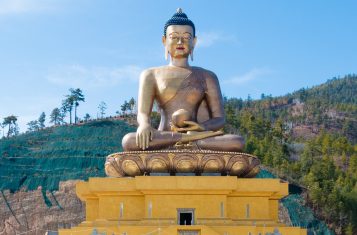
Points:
[(185, 216)]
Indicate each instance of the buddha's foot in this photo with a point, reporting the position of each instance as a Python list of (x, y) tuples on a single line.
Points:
[(200, 162)]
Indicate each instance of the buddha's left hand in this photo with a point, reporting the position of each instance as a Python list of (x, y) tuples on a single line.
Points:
[(190, 126)]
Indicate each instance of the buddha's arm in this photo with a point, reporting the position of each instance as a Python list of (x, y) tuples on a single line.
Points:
[(145, 102), (214, 103)]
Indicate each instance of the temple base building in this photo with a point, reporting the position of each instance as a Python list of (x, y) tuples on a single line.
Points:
[(182, 205)]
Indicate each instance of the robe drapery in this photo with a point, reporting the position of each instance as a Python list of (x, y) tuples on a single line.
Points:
[(189, 96)]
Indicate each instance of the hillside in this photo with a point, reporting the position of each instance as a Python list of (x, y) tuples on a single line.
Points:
[(331, 106), (55, 154), (309, 138), (37, 170)]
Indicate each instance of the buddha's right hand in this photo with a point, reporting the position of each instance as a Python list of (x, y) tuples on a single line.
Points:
[(144, 135)]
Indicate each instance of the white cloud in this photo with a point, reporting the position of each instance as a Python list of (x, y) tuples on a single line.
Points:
[(249, 76), (24, 6), (92, 77), (207, 39)]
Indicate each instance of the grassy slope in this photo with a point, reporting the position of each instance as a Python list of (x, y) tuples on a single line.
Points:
[(58, 153)]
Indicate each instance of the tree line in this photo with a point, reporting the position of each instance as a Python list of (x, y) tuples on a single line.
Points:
[(325, 163), (69, 108)]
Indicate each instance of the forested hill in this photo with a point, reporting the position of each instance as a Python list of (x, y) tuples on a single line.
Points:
[(340, 93), (310, 138), (331, 106)]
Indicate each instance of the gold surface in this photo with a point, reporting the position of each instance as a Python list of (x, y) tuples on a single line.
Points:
[(181, 161), (121, 205), (189, 99)]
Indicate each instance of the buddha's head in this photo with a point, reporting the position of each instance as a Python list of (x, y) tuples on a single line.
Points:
[(179, 36)]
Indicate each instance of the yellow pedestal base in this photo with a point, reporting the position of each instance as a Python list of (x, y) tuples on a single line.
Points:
[(208, 205)]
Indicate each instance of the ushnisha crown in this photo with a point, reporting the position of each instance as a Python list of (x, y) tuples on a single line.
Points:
[(179, 18)]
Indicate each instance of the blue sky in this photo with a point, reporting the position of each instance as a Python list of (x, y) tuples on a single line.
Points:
[(254, 47)]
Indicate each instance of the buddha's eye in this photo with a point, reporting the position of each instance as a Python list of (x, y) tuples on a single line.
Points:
[(174, 36), (187, 36)]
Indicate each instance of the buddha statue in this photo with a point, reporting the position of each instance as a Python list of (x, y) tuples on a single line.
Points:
[(190, 95), (189, 138)]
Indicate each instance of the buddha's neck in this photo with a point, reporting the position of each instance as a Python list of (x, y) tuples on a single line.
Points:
[(179, 62)]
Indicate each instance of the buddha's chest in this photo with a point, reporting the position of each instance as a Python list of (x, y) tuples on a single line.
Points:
[(181, 86), (167, 86)]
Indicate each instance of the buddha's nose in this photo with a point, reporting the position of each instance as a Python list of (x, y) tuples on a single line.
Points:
[(179, 40)]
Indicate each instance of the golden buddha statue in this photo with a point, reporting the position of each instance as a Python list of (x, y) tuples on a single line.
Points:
[(190, 136), (181, 91)]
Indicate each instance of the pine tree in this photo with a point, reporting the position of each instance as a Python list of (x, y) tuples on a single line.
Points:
[(124, 107), (86, 117), (41, 120), (11, 122), (102, 107), (56, 116), (131, 104), (33, 125), (77, 97), (67, 106)]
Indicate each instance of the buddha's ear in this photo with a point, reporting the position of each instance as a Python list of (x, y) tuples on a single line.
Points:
[(194, 41), (166, 49)]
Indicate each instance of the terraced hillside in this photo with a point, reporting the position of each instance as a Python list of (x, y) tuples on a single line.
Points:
[(37, 170), (55, 154)]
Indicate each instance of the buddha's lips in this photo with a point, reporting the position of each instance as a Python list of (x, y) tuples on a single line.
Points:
[(180, 48)]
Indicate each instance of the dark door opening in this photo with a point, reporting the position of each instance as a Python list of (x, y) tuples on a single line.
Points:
[(185, 218)]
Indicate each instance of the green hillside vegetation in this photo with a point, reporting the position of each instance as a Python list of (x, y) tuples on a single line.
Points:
[(332, 106), (46, 157), (326, 163), (300, 214)]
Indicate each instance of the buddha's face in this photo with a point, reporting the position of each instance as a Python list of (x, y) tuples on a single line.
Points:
[(179, 40)]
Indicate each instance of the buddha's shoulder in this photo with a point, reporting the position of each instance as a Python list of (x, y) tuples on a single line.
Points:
[(153, 71), (148, 74), (205, 72), (149, 71)]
